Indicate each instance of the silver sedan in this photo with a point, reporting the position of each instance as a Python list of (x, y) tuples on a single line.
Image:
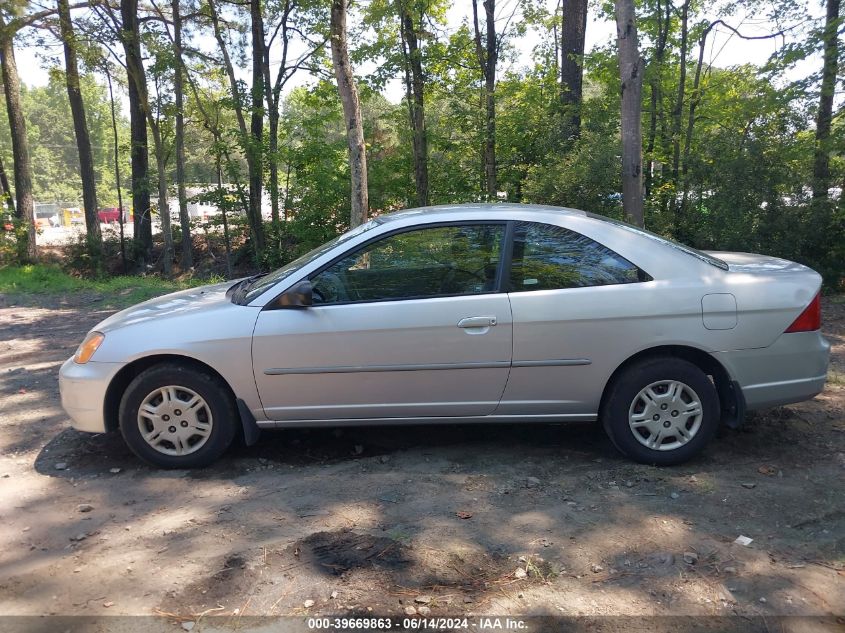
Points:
[(459, 314)]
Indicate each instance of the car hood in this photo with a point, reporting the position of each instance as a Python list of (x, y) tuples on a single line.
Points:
[(193, 300)]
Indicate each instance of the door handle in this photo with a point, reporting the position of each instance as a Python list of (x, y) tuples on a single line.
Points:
[(478, 321)]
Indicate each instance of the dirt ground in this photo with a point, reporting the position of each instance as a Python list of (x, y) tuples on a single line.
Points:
[(501, 520)]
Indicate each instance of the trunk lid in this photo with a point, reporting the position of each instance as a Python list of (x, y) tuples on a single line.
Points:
[(751, 263)]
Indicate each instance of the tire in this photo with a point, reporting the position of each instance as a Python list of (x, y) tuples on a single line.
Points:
[(649, 411), (188, 419)]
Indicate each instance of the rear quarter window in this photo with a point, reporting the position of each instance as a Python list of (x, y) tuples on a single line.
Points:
[(689, 250), (548, 257)]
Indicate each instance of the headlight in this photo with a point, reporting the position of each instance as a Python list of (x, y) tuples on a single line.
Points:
[(88, 347)]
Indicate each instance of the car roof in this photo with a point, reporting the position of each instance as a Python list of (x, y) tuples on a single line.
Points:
[(650, 252), (448, 210), (610, 232)]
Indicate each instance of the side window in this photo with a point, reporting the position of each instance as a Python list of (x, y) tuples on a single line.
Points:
[(430, 262), (547, 257)]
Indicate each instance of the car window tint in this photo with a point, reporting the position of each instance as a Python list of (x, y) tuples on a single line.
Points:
[(431, 262), (263, 283), (547, 257)]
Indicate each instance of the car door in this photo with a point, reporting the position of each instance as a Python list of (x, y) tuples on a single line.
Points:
[(409, 325), (574, 303)]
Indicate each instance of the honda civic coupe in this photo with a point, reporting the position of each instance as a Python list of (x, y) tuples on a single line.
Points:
[(461, 314)]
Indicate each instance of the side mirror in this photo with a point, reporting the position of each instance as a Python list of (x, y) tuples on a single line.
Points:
[(297, 296)]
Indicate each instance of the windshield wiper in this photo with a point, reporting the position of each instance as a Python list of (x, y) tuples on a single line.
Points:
[(247, 283), (239, 290)]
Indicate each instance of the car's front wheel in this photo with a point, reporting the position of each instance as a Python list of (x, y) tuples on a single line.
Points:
[(174, 416), (661, 411)]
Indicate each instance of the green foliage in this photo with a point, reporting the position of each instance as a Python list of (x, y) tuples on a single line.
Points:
[(742, 183), (313, 160), (81, 259), (54, 157), (13, 237), (314, 171), (455, 121), (115, 291), (37, 278)]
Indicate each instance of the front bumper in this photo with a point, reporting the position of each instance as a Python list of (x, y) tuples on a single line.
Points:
[(83, 390), (792, 369)]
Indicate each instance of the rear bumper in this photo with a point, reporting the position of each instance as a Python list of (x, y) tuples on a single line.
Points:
[(792, 369), (83, 390)]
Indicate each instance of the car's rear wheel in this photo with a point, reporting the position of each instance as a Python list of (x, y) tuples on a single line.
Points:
[(661, 411), (174, 416)]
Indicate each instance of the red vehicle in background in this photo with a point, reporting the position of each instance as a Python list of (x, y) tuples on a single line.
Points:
[(111, 215)]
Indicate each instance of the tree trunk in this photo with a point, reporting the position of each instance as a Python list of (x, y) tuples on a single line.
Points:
[(677, 115), (233, 171), (83, 139), (5, 190), (664, 22), (572, 33), (25, 207), (274, 170), (273, 93), (821, 157), (695, 99), (842, 196), (654, 96), (555, 40), (163, 206), (490, 100), (415, 89), (226, 241), (351, 112), (677, 111), (137, 88), (286, 202), (230, 71), (117, 180), (487, 55), (256, 150), (248, 139), (630, 70), (179, 139)]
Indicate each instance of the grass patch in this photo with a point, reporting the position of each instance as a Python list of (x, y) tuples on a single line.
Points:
[(39, 279), (835, 377)]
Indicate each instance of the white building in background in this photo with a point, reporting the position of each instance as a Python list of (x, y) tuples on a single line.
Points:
[(196, 210), (203, 210)]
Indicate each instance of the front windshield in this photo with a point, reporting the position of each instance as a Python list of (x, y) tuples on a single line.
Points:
[(263, 283)]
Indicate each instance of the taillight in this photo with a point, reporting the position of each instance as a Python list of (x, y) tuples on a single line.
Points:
[(810, 319)]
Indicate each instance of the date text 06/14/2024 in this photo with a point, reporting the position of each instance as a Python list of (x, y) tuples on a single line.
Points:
[(417, 623)]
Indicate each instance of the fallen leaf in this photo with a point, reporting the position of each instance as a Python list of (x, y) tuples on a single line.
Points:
[(769, 471), (462, 514)]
